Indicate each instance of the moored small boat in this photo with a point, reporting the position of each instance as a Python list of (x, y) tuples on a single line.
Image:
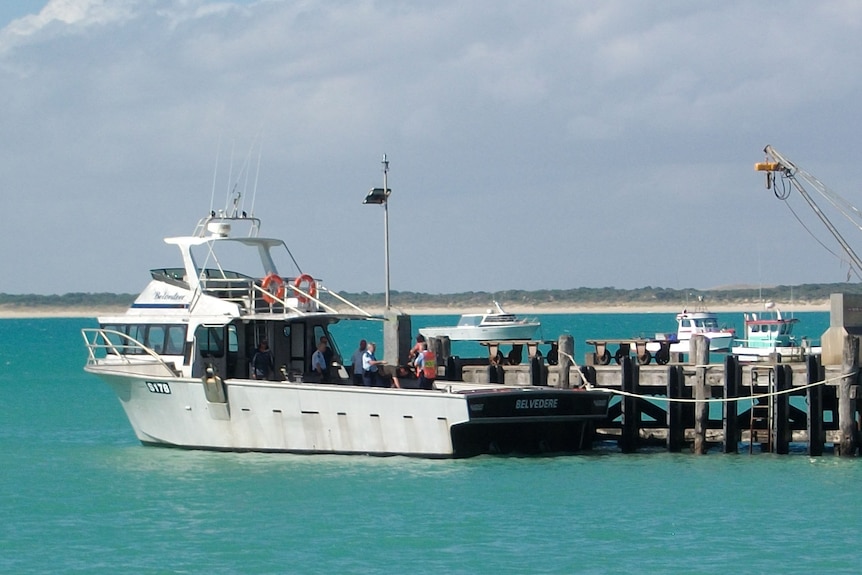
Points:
[(703, 322), (492, 325), (770, 334)]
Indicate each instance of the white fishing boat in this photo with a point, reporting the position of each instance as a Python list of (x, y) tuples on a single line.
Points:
[(703, 322), (498, 325), (770, 335), (179, 361)]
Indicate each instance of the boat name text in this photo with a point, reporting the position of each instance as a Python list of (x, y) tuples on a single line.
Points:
[(159, 295), (159, 387), (536, 404)]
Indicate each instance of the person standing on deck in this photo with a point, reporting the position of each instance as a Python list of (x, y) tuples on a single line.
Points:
[(262, 363), (318, 362), (357, 362), (426, 368), (328, 355), (369, 366), (416, 349)]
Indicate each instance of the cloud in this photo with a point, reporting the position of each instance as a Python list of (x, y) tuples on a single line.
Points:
[(591, 140), (65, 16)]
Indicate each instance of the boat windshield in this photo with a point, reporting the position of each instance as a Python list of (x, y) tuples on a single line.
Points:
[(470, 320)]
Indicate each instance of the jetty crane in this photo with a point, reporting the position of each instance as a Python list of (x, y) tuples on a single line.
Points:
[(777, 166)]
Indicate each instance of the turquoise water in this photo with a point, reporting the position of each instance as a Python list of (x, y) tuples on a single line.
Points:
[(80, 494)]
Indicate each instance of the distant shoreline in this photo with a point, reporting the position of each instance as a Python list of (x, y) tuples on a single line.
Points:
[(10, 312), (607, 307)]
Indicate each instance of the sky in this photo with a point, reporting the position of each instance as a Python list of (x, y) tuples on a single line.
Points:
[(531, 145)]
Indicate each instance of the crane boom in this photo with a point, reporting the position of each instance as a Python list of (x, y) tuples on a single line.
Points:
[(776, 163)]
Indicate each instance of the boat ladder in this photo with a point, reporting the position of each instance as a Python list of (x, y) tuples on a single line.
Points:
[(761, 412)]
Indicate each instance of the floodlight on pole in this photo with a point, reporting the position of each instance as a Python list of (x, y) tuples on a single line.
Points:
[(380, 196)]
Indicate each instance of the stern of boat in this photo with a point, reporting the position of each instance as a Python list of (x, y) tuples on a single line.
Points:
[(529, 421)]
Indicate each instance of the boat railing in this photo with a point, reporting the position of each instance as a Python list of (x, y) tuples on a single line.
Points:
[(250, 295), (108, 346), (238, 290)]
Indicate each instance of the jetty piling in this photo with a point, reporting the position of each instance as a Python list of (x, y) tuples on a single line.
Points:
[(814, 395), (700, 354), (730, 409), (780, 428), (631, 413), (847, 409), (675, 410)]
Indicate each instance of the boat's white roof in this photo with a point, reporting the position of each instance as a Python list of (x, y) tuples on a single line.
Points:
[(230, 276)]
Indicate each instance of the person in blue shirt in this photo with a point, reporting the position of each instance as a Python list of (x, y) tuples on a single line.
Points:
[(318, 362)]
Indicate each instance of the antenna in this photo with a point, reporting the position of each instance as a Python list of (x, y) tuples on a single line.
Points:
[(229, 176), (215, 174), (257, 172)]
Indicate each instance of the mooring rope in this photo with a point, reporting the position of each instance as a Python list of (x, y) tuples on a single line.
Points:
[(591, 387)]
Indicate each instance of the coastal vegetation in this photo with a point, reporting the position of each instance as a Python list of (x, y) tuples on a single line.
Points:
[(68, 300), (582, 296), (610, 296)]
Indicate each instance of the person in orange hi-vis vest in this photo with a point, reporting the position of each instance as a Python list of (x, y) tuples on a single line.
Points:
[(426, 367)]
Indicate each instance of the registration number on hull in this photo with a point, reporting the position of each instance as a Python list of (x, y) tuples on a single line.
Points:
[(159, 387)]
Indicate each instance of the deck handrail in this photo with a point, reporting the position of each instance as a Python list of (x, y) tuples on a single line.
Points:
[(236, 290), (97, 339)]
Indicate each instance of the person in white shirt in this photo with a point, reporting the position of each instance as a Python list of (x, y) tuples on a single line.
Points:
[(369, 366)]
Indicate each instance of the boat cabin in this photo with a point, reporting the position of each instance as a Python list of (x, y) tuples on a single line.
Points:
[(229, 295), (770, 331)]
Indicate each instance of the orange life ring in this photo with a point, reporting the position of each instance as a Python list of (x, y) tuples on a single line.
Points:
[(268, 295), (311, 290)]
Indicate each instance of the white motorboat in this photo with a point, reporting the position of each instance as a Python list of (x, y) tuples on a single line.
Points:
[(179, 361), (770, 335), (698, 322), (492, 325)]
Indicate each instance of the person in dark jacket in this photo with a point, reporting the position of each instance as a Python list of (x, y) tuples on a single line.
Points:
[(262, 364)]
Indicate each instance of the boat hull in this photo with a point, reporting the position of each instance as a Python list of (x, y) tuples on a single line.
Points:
[(718, 343), (332, 418), (785, 353), (489, 333)]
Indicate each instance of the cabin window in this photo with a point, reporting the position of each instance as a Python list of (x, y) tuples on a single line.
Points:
[(137, 332), (297, 342), (685, 323), (175, 339), (163, 339), (232, 341), (156, 338), (210, 341), (114, 339)]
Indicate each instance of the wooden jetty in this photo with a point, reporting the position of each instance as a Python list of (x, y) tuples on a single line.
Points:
[(696, 405)]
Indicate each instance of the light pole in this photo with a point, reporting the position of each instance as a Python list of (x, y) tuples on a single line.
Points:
[(381, 196)]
